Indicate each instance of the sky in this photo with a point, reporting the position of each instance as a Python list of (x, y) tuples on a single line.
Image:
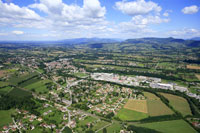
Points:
[(123, 19)]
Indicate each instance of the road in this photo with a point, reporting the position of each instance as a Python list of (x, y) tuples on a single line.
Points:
[(16, 125)]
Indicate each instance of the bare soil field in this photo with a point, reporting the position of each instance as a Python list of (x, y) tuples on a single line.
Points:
[(198, 76), (193, 67)]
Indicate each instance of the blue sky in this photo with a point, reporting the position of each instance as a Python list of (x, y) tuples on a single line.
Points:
[(63, 19)]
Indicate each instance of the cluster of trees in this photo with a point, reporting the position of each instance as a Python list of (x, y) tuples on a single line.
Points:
[(27, 103)]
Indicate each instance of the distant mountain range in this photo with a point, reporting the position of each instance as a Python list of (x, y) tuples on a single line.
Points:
[(194, 42), (195, 38)]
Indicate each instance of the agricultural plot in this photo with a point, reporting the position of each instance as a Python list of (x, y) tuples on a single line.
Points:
[(5, 90), (15, 80), (155, 106), (179, 104), (193, 67), (198, 76), (137, 105), (5, 117), (19, 93), (39, 87), (158, 108), (3, 84), (99, 125), (175, 126), (129, 115), (2, 73)]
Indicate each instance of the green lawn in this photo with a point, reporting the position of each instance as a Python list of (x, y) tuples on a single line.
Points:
[(175, 126), (127, 115), (19, 93), (179, 104), (5, 117)]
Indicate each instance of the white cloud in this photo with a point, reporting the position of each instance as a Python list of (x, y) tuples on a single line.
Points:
[(185, 33), (17, 32), (190, 9), (141, 20), (138, 7)]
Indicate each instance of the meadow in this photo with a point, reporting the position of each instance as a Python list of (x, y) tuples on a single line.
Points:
[(155, 106), (5, 117), (175, 126), (130, 115), (178, 103)]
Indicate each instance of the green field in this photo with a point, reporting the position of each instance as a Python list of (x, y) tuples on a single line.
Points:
[(39, 86), (81, 75), (155, 106), (19, 93), (2, 84), (5, 90), (175, 126), (114, 128), (179, 104), (99, 125), (5, 117), (128, 115), (15, 80), (87, 120)]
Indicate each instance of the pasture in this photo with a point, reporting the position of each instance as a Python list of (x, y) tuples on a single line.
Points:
[(5, 90), (179, 104), (129, 115), (19, 93), (2, 73), (39, 86), (137, 105), (5, 117), (175, 126)]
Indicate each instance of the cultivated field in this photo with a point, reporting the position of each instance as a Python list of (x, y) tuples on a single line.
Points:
[(155, 106), (158, 108), (136, 105), (5, 117), (150, 96), (198, 76), (128, 115), (2, 73), (175, 126), (179, 104), (193, 67)]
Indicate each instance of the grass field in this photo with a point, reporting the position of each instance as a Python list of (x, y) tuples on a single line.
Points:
[(17, 79), (155, 106), (198, 76), (193, 67), (5, 90), (81, 75), (38, 86), (136, 105), (19, 93), (99, 125), (2, 73), (114, 128), (175, 126), (127, 115), (87, 120), (150, 96), (5, 117), (2, 84), (179, 104)]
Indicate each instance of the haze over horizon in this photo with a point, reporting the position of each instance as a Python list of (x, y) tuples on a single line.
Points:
[(66, 19)]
